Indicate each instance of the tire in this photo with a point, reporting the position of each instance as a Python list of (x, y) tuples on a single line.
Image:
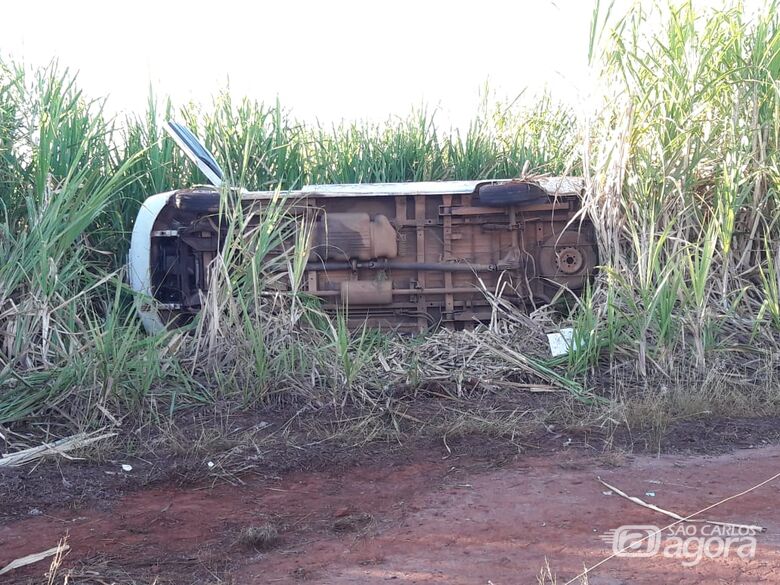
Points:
[(198, 201), (514, 193)]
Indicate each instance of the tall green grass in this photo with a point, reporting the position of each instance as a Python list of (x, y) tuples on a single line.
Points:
[(680, 156), (684, 181)]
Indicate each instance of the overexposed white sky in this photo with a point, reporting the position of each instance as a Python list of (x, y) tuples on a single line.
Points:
[(329, 60)]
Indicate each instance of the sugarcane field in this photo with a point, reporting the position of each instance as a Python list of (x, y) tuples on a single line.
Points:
[(415, 292)]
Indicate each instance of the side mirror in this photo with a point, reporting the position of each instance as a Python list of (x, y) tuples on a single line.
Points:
[(196, 152)]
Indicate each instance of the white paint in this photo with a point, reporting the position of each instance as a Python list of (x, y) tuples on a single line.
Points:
[(139, 262), (553, 185)]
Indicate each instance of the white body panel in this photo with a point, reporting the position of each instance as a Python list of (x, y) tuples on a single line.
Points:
[(553, 185), (139, 265)]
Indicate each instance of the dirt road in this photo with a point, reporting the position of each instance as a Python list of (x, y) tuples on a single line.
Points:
[(436, 517)]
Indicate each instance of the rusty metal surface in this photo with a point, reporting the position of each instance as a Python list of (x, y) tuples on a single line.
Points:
[(406, 256), (344, 236)]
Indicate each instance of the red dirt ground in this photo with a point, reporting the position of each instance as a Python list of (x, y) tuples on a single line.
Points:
[(429, 520)]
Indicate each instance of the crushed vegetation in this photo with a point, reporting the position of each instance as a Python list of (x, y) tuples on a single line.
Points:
[(679, 150)]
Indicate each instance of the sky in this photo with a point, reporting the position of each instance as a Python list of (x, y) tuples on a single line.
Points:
[(326, 60)]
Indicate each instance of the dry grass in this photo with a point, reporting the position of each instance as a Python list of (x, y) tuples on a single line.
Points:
[(354, 522), (261, 537), (548, 577)]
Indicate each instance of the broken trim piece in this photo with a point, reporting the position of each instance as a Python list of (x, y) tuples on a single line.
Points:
[(196, 152)]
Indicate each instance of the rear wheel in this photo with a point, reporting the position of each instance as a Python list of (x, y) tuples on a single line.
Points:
[(568, 259)]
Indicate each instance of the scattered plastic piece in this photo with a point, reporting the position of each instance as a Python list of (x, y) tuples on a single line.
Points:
[(561, 342)]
